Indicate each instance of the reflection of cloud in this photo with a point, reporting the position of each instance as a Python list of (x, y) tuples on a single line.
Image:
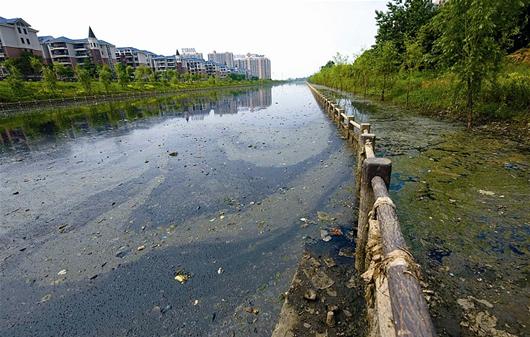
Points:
[(279, 148)]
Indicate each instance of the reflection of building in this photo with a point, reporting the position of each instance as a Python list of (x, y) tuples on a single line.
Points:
[(256, 99), (71, 52), (256, 65)]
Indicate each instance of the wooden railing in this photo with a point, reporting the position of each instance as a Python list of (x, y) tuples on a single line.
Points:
[(396, 305)]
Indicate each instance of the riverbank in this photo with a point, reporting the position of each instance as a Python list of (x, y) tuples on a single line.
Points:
[(28, 106), (460, 196), (439, 94), (38, 91)]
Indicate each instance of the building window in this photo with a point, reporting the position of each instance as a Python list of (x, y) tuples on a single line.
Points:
[(22, 40), (19, 31), (25, 31), (27, 40)]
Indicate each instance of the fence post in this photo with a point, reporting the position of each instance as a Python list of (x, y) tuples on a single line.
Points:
[(371, 167), (361, 156), (350, 129), (365, 126)]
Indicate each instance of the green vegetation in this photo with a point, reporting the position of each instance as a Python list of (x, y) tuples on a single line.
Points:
[(449, 60), (29, 79)]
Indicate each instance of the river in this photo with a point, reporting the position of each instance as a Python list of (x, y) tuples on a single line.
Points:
[(103, 206), (180, 215)]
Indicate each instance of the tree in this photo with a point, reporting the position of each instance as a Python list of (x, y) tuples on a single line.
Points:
[(62, 71), (121, 74), (411, 62), (49, 77), (402, 20), (14, 78), (387, 64), (141, 74), (105, 77), (83, 77), (36, 65), (469, 46)]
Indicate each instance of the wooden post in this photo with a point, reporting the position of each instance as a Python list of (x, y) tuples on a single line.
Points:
[(350, 136), (409, 309), (365, 127), (361, 156), (371, 167)]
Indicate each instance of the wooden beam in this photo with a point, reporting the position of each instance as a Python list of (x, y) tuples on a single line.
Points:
[(409, 308)]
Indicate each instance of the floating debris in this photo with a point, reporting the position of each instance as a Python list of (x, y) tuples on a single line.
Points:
[(173, 154), (140, 248), (325, 235), (335, 231), (484, 192), (220, 271), (252, 310), (62, 272), (182, 277)]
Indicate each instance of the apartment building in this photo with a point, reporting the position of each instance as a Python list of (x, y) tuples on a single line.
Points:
[(225, 58), (163, 63), (255, 65), (133, 57), (17, 37), (190, 52), (71, 52)]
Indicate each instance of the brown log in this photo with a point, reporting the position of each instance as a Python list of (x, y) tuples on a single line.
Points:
[(371, 167), (409, 309)]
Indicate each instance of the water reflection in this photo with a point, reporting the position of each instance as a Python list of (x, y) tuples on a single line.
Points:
[(21, 133)]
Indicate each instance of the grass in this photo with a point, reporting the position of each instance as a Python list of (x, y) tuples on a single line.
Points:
[(38, 91)]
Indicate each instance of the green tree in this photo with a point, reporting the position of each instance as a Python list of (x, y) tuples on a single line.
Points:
[(49, 77), (105, 77), (402, 20), (142, 73), (63, 72), (412, 61), (469, 45), (83, 76), (36, 65), (387, 64), (14, 79), (130, 72), (121, 74)]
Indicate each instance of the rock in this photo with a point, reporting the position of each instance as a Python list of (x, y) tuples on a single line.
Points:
[(351, 283), (330, 319), (347, 313), (310, 295)]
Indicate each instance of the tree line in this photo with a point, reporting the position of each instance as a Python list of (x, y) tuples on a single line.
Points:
[(460, 45), (29, 68)]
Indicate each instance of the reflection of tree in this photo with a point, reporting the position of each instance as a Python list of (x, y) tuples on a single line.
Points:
[(72, 122)]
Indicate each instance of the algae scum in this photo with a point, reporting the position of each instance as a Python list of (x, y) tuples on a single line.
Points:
[(463, 200)]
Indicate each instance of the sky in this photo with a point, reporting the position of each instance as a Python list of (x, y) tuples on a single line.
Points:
[(298, 36)]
